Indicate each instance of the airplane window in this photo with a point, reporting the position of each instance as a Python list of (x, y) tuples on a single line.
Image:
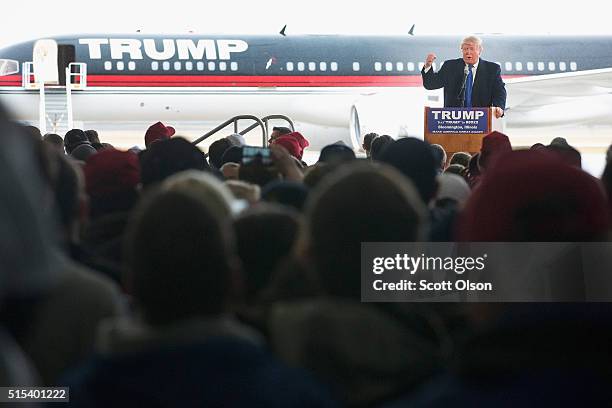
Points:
[(177, 66), (551, 66), (508, 66), (389, 66), (200, 66), (120, 66), (222, 66), (573, 66), (234, 66), (189, 65), (377, 66), (312, 66), (563, 66), (300, 66), (540, 66), (108, 65), (131, 65), (165, 65), (334, 66), (356, 66), (8, 67), (290, 66), (155, 65), (411, 66), (399, 66), (211, 66), (518, 66), (530, 66), (323, 66)]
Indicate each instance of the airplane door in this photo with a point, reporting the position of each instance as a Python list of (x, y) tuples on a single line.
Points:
[(65, 55), (45, 62)]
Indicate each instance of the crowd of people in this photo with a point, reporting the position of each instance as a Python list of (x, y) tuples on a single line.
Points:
[(170, 276)]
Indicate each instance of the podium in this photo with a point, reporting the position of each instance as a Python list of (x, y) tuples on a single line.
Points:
[(459, 129)]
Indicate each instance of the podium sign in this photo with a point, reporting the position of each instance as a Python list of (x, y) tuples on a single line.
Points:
[(457, 121), (458, 129)]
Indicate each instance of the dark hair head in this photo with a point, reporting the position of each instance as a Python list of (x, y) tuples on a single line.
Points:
[(415, 160), (461, 158), (282, 130), (336, 153), (232, 155), (367, 141), (216, 150), (455, 169), (73, 138), (33, 131), (64, 180), (92, 136), (179, 257), (290, 194), (378, 145), (361, 202), (83, 151), (170, 156), (566, 153), (314, 174), (537, 146), (440, 156), (54, 140), (265, 235)]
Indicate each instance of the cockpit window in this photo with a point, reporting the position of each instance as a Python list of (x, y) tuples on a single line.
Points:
[(8, 67)]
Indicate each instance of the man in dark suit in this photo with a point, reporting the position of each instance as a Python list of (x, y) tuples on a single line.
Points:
[(483, 85)]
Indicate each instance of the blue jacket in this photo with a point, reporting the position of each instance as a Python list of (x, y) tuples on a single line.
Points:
[(220, 372)]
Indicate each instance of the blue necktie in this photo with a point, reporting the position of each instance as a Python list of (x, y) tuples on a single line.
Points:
[(469, 82)]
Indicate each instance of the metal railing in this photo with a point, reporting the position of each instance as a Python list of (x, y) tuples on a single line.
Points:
[(69, 96), (234, 120), (42, 111), (266, 121), (80, 75), (27, 76), (77, 79)]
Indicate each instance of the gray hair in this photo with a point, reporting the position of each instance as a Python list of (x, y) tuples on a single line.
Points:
[(472, 39)]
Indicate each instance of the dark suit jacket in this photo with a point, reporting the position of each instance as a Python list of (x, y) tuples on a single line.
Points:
[(489, 88)]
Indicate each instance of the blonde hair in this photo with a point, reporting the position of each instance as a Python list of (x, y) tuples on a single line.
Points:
[(472, 39), (205, 188)]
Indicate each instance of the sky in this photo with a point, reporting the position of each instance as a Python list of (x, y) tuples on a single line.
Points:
[(372, 17)]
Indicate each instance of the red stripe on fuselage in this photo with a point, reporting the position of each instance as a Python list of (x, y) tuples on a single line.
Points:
[(244, 80), (10, 80), (252, 81)]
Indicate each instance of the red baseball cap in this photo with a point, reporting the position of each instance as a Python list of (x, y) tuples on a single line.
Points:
[(158, 131), (111, 171)]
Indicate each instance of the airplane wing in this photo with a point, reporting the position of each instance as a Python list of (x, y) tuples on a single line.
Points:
[(560, 99), (534, 91)]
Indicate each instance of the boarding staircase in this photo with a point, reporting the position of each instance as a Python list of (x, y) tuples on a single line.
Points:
[(56, 112), (55, 102), (263, 124)]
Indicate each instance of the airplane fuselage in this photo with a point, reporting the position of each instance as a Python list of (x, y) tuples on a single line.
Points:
[(314, 79)]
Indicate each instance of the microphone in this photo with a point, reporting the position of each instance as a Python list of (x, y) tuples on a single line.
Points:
[(461, 96)]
